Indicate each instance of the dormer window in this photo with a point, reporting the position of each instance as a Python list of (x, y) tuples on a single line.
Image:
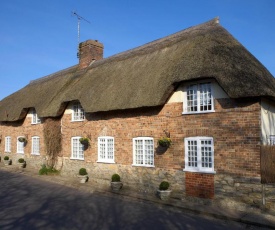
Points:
[(35, 118), (78, 112), (198, 98)]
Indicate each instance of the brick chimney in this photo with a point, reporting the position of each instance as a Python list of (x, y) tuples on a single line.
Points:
[(90, 50)]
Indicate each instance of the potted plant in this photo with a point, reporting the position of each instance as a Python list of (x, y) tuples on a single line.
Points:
[(21, 162), (84, 140), (164, 142), (7, 160), (116, 184), (163, 191), (83, 175), (22, 139)]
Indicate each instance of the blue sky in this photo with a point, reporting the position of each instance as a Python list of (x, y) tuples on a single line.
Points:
[(40, 37)]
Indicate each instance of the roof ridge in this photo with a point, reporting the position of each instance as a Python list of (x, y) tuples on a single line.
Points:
[(154, 45), (53, 75)]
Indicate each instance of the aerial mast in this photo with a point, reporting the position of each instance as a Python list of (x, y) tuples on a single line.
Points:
[(78, 29)]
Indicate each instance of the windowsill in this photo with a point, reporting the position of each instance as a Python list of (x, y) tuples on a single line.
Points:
[(20, 152), (106, 162), (36, 123), (200, 112), (81, 159), (36, 154), (76, 120), (198, 171), (147, 166)]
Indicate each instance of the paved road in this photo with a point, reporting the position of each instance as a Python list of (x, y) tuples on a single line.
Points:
[(28, 203)]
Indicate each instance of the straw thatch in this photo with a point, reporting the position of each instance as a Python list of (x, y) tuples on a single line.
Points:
[(146, 76)]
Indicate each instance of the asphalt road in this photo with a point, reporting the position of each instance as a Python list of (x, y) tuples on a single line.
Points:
[(29, 203)]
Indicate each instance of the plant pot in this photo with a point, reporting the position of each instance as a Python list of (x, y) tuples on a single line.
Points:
[(116, 186), (165, 145), (7, 162), (22, 165), (164, 194), (82, 179)]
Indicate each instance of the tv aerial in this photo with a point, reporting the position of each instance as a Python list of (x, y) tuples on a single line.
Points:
[(79, 18)]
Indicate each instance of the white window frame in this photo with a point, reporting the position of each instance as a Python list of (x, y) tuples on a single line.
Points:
[(200, 101), (77, 149), (106, 150), (35, 118), (35, 145), (20, 146), (143, 151), (78, 113), (8, 144), (194, 154)]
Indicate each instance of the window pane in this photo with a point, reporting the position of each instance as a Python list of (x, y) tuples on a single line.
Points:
[(192, 98), (7, 144), (110, 149), (205, 97), (144, 151), (35, 145), (199, 98), (206, 153), (192, 154), (77, 148), (102, 154), (78, 112), (20, 146), (106, 149)]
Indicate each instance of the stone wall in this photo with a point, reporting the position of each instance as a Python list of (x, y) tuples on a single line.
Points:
[(245, 191), (143, 179)]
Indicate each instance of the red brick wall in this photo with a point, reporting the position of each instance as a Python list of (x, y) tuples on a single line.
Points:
[(235, 127), (199, 185), (88, 51), (21, 128)]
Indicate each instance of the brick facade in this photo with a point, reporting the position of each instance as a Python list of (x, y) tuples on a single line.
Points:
[(234, 126), (23, 128), (235, 129), (199, 185)]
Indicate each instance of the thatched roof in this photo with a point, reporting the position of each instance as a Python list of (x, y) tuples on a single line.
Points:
[(147, 75)]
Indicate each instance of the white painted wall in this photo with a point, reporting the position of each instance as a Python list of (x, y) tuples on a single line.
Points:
[(179, 94), (69, 109), (267, 120)]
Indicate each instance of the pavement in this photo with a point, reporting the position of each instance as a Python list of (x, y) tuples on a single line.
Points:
[(260, 217)]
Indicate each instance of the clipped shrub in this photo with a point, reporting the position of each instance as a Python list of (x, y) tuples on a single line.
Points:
[(21, 160), (6, 158), (164, 185), (115, 178), (82, 172)]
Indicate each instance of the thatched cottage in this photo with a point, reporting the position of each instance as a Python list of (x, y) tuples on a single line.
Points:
[(199, 87)]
